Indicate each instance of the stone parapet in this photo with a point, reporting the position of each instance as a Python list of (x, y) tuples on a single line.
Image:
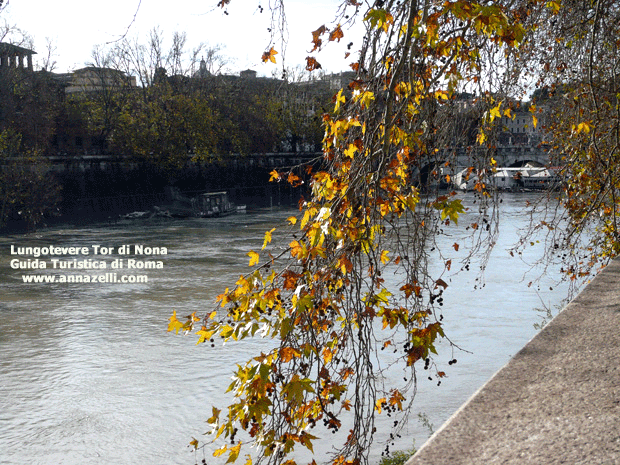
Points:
[(557, 401)]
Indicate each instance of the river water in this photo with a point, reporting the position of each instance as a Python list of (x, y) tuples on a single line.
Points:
[(89, 375)]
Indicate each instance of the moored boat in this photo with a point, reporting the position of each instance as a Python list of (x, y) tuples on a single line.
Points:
[(206, 205), (504, 178)]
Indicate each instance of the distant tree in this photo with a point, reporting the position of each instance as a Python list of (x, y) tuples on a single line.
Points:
[(29, 104), (305, 99), (28, 191)]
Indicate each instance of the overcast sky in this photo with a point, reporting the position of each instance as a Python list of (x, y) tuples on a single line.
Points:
[(76, 26)]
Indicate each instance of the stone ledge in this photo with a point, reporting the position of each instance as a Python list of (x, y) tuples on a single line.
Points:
[(557, 401)]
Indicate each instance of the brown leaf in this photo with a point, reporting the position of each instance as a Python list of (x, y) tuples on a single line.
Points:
[(288, 353), (336, 34), (312, 64), (316, 37), (290, 280)]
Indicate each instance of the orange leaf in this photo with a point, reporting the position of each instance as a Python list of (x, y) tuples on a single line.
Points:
[(327, 355), (379, 404), (270, 55), (316, 37), (336, 34), (296, 250), (293, 179), (288, 353)]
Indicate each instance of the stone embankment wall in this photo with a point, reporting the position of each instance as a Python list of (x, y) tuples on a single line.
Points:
[(557, 401), (109, 185)]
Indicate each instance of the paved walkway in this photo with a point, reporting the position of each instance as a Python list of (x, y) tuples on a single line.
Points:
[(557, 400)]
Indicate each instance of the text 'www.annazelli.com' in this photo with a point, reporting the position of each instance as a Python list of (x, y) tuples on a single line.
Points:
[(112, 278)]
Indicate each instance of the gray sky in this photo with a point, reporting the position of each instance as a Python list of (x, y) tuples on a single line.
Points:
[(76, 26)]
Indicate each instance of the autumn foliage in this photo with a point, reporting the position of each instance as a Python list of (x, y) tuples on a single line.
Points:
[(323, 298)]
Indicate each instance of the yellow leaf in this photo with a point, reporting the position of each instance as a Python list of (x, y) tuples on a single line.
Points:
[(267, 239), (384, 257), (441, 95), (583, 127), (224, 298), (292, 220), (305, 219), (554, 6), (253, 258), (339, 99), (174, 325), (234, 453), (350, 152), (495, 112), (534, 120), (220, 451), (194, 443), (365, 98), (379, 404), (204, 335), (215, 416)]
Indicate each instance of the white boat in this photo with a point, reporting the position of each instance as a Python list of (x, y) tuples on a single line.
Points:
[(504, 178)]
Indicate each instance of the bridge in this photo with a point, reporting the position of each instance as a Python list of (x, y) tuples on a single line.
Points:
[(93, 177), (506, 156)]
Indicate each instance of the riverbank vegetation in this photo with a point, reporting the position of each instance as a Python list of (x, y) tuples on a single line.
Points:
[(27, 193), (321, 294), (151, 104)]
